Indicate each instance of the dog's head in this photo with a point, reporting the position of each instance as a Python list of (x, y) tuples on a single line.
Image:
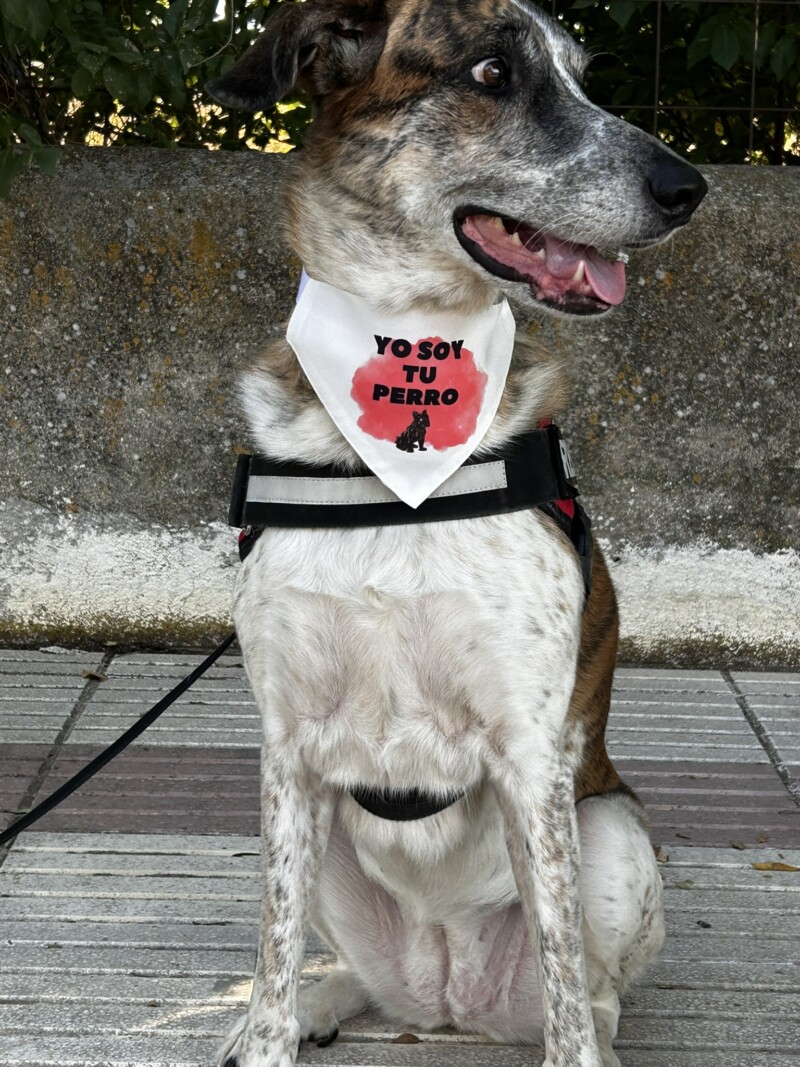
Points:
[(454, 152), (421, 418)]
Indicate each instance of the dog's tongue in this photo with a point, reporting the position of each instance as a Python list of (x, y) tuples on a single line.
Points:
[(557, 269), (606, 278)]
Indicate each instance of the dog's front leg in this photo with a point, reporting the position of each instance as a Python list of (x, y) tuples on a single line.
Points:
[(295, 825), (535, 790)]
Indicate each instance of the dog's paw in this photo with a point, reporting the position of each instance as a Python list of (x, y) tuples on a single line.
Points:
[(323, 1040), (317, 1019), (234, 1061), (248, 1045)]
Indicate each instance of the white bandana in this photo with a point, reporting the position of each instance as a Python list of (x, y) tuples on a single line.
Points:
[(413, 393)]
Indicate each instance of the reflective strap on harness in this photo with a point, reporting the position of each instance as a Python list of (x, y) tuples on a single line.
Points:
[(533, 470)]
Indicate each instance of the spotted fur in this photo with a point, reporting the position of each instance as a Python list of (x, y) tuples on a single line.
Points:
[(453, 656)]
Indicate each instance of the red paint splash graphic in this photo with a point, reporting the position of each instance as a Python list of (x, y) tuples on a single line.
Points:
[(390, 387)]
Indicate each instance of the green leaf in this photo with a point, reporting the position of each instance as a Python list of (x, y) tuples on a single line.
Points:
[(12, 162), (621, 11), (783, 56), (29, 134), (32, 16), (724, 45), (700, 48), (123, 49), (91, 60), (63, 18), (82, 82), (172, 85), (144, 90), (131, 59), (98, 49), (175, 16), (190, 55), (13, 36), (204, 12), (47, 158), (767, 36), (128, 85), (744, 31), (120, 80)]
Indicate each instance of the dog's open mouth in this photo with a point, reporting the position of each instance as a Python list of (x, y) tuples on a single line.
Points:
[(572, 278)]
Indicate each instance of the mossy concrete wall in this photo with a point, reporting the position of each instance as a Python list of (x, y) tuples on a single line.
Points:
[(136, 283)]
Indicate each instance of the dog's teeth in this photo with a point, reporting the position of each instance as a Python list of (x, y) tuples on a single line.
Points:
[(623, 257), (497, 223), (515, 238), (540, 253), (577, 277)]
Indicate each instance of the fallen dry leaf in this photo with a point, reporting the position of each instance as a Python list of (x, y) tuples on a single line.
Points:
[(738, 844), (774, 867), (93, 676), (406, 1039), (687, 883)]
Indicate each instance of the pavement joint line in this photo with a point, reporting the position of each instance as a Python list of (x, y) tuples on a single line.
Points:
[(764, 738), (69, 724)]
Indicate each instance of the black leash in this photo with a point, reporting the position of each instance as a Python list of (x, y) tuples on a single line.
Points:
[(69, 787)]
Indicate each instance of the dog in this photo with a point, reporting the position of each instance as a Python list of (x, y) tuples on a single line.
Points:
[(453, 155), (414, 434)]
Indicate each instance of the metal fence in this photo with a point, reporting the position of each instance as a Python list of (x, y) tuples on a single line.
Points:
[(719, 79)]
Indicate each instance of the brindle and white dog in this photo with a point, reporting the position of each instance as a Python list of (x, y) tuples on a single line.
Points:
[(453, 154)]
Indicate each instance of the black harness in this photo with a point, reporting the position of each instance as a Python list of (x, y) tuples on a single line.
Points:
[(537, 473), (402, 805), (531, 471)]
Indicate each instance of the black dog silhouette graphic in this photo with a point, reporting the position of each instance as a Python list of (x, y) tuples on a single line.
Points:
[(414, 434)]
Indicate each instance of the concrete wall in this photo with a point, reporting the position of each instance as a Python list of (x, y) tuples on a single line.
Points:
[(136, 283)]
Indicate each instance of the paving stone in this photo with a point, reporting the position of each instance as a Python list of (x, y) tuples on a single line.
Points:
[(129, 918)]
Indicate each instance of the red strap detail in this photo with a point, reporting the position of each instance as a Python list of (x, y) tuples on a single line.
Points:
[(567, 506)]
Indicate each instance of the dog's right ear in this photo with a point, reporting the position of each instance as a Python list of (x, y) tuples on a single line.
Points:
[(319, 44)]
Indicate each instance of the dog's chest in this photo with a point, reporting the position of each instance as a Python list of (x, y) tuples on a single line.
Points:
[(388, 655)]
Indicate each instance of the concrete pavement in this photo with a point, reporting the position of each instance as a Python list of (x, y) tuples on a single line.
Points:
[(128, 916)]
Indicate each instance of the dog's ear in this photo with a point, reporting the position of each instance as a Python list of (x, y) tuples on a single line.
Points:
[(318, 44)]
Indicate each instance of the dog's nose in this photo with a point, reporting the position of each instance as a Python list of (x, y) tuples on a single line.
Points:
[(676, 187)]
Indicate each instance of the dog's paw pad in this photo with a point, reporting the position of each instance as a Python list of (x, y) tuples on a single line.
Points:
[(326, 1039)]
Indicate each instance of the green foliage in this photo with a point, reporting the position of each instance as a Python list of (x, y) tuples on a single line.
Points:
[(123, 72), (132, 72), (705, 72)]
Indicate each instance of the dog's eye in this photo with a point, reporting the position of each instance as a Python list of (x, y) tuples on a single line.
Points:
[(493, 73)]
